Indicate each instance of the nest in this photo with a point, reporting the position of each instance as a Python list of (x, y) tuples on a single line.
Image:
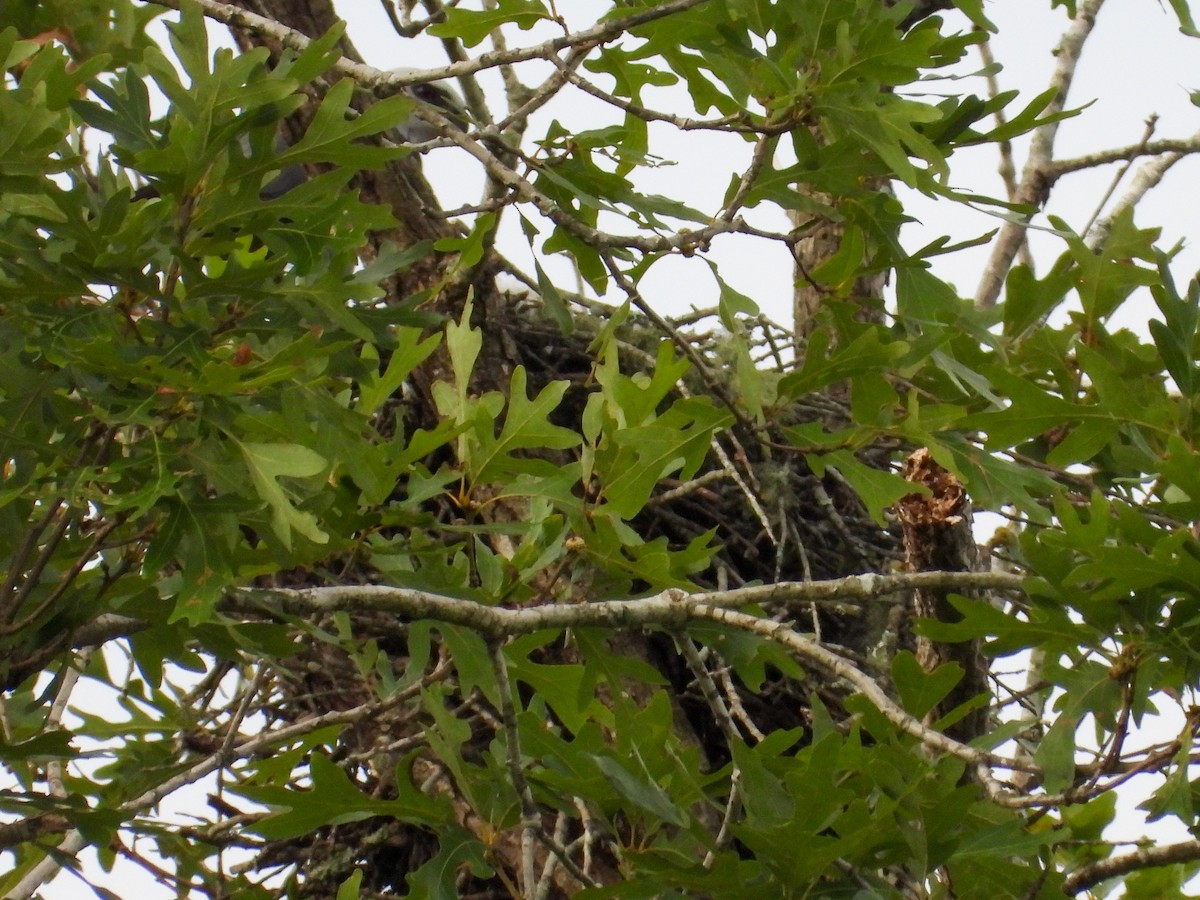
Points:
[(774, 520)]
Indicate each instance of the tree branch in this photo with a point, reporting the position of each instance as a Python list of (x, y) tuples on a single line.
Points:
[(1147, 177), (665, 608), (671, 609), (1086, 877), (531, 819), (1035, 181), (74, 840), (369, 76), (1061, 167)]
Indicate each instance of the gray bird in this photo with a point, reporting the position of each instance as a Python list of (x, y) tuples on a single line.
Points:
[(411, 131)]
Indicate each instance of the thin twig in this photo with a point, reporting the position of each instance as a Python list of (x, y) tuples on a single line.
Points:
[(70, 677), (739, 121), (531, 819), (1148, 176), (764, 147), (1151, 123), (687, 488), (74, 841), (716, 704)]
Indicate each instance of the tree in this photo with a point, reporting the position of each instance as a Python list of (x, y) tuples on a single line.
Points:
[(424, 584)]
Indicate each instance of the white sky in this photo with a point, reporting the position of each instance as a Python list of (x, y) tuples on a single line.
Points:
[(1136, 64)]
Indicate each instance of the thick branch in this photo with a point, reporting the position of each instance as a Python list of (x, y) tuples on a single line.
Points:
[(671, 609), (1182, 146), (667, 608), (1035, 178), (24, 830), (95, 633), (1086, 877)]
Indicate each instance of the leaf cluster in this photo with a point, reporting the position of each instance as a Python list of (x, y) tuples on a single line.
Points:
[(227, 419)]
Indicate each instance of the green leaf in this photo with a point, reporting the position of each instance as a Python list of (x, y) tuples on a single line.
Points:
[(1154, 882), (269, 462), (553, 302), (334, 799), (1175, 337), (189, 40), (1046, 627), (409, 353), (589, 262), (1027, 300), (567, 689), (731, 304), (1027, 119), (640, 790), (331, 134), (437, 879), (1088, 821), (676, 441), (840, 269), (472, 26), (1176, 796), (1031, 412), (765, 796), (470, 248), (348, 889), (921, 691), (1090, 689), (1005, 839), (13, 52), (49, 745), (865, 354), (1183, 12), (526, 426), (463, 343), (878, 489)]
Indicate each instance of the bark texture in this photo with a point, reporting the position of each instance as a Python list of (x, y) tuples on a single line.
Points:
[(938, 538)]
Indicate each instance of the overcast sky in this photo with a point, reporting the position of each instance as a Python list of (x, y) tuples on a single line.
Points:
[(1136, 64)]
